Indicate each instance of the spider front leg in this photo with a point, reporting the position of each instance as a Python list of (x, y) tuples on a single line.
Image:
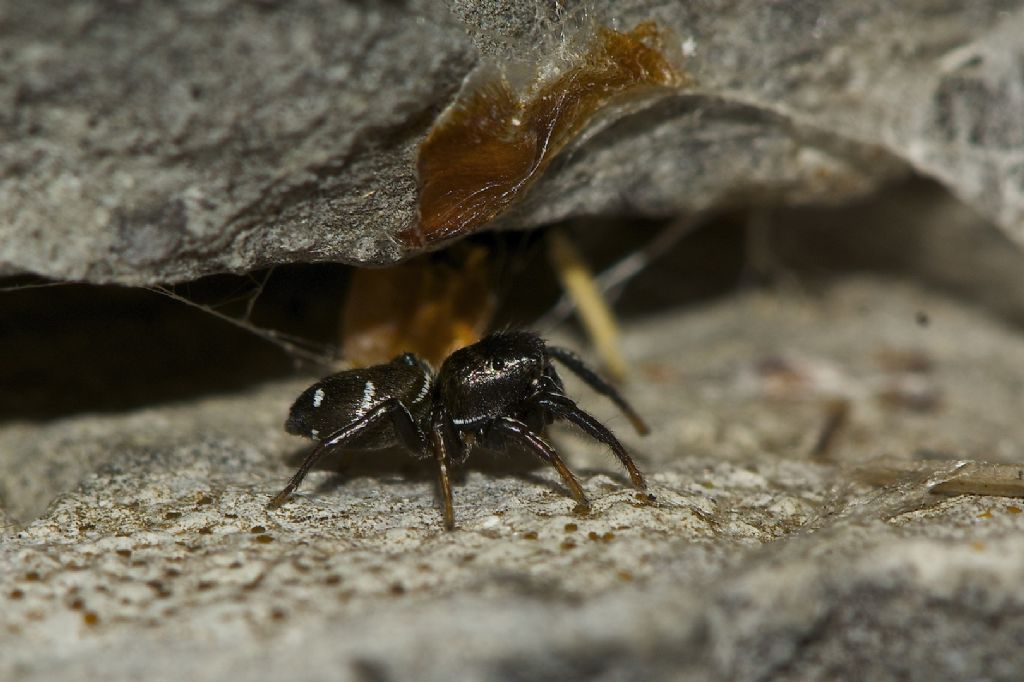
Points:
[(561, 406), (575, 364), (540, 447), (405, 427)]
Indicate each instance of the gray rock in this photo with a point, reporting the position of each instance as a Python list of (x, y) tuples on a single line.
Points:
[(138, 546), (155, 141)]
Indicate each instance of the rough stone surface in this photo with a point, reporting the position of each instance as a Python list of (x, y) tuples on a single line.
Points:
[(155, 141), (138, 546)]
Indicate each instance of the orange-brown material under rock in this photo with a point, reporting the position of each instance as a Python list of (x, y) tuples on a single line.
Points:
[(493, 143), (420, 306)]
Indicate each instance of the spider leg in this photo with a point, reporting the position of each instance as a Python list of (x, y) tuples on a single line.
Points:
[(575, 364), (441, 446), (564, 407), (405, 426), (540, 447)]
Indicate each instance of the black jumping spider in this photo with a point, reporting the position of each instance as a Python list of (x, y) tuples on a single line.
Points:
[(501, 389)]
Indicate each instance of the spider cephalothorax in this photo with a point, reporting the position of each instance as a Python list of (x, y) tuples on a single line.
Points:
[(503, 389)]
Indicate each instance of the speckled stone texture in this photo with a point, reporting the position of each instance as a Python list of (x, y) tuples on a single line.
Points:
[(154, 141), (138, 545)]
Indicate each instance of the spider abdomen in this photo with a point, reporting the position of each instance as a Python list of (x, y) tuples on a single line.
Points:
[(340, 399)]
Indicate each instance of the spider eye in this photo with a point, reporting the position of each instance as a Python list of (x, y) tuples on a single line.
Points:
[(407, 359)]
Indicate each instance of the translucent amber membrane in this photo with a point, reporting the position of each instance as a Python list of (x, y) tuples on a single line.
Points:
[(493, 143), (422, 306)]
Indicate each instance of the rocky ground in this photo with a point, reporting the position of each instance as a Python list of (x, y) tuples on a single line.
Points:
[(834, 389), (139, 544)]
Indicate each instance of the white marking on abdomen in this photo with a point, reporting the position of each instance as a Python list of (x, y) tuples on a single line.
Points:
[(369, 391), (315, 433), (318, 397), (424, 390)]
